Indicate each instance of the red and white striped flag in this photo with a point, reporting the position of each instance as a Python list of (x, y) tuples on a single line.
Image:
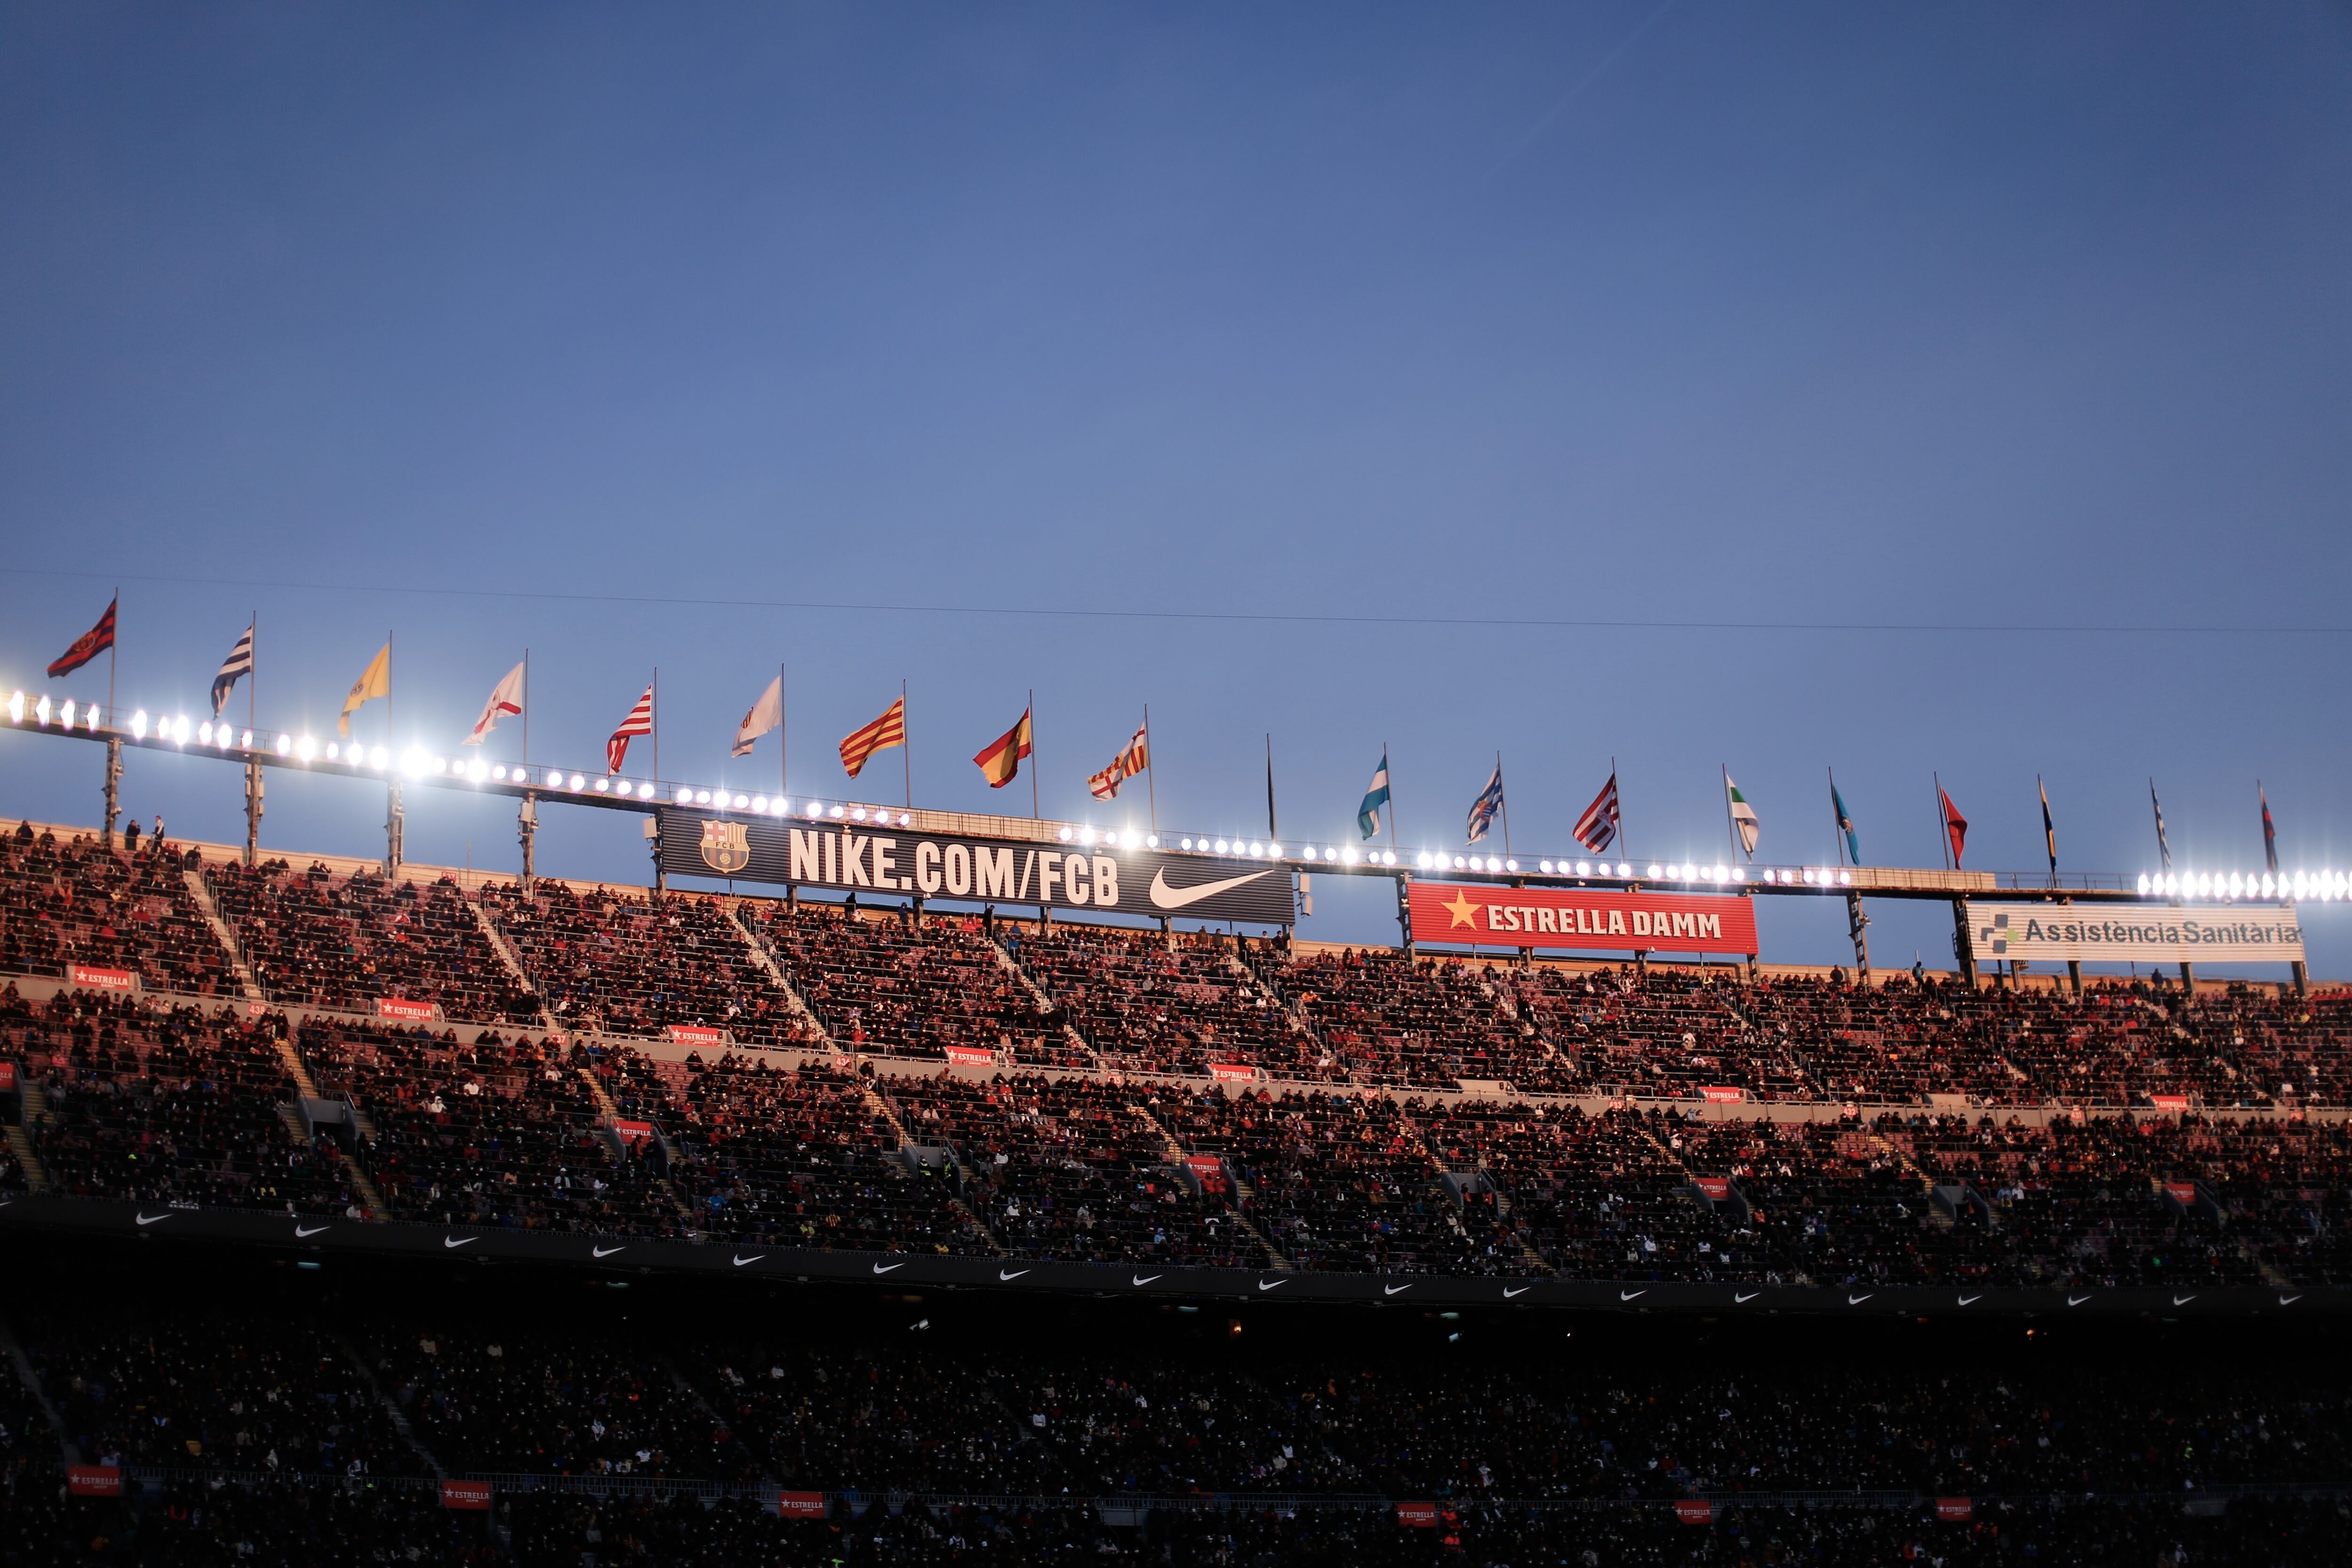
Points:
[(884, 733), (639, 722), (1104, 786), (1597, 828)]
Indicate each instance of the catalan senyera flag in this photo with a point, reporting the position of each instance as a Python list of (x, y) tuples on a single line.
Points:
[(1134, 759), (639, 722), (859, 745), (86, 646), (375, 681), (1000, 760)]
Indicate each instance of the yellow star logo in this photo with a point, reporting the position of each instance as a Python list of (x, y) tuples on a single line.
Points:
[(1465, 913)]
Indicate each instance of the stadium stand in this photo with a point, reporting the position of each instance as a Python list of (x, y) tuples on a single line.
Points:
[(79, 902)]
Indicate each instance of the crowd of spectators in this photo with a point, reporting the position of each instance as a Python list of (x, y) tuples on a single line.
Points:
[(319, 938), (1178, 1004), (81, 903)]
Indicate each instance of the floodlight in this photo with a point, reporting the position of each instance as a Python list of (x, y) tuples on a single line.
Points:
[(16, 707), (306, 748), (285, 744), (1223, 846)]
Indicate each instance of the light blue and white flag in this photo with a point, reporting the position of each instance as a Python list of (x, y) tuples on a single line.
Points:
[(1367, 815), (238, 664), (1482, 809)]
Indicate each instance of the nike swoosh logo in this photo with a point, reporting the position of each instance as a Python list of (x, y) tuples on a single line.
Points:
[(1145, 1279), (755, 1257), (886, 1267), (1628, 1295), (2289, 1300), (300, 1232), (1508, 1292), (2183, 1301), (1858, 1301), (1016, 1273), (2076, 1300), (1263, 1286), (1737, 1298), (150, 1220), (1394, 1289), (1166, 897), (460, 1242), (597, 1251), (1965, 1301)]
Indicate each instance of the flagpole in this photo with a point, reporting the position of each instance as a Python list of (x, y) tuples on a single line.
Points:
[(782, 789), (1730, 825), (907, 748), (526, 707), (253, 676), (1624, 840), (1943, 828), (113, 653), (1151, 770), (1837, 829), (656, 723), (1034, 814)]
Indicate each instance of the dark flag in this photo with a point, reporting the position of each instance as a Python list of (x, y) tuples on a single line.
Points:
[(87, 647), (2049, 834), (2270, 830), (2163, 844), (239, 664)]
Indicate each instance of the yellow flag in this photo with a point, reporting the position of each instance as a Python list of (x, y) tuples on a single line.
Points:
[(375, 681)]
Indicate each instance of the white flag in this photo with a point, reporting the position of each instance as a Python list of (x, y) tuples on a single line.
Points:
[(1744, 820), (765, 714), (507, 698)]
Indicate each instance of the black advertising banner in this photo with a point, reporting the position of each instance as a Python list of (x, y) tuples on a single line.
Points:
[(1148, 884)]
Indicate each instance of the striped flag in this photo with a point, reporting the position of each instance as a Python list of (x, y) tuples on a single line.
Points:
[(639, 722), (505, 697), (86, 646), (239, 663), (1597, 828), (1743, 816), (1368, 814), (1000, 760), (1482, 808), (889, 730), (1134, 759)]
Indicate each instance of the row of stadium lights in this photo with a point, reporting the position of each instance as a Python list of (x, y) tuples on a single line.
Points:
[(2323, 885)]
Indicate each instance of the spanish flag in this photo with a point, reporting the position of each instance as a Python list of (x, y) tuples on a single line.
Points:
[(1001, 758), (375, 681), (884, 733)]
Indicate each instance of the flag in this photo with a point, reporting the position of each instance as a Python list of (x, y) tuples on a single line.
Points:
[(1000, 760), (1845, 824), (1367, 815), (2270, 830), (1482, 808), (2163, 844), (765, 714), (88, 645), (375, 681), (1956, 826), (1597, 828), (889, 730), (2049, 833), (505, 697), (639, 722), (238, 663), (1104, 786), (1743, 817)]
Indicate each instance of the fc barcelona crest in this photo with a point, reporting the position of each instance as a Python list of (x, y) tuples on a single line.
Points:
[(725, 849)]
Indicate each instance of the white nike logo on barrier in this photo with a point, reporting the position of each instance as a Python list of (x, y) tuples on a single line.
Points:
[(1015, 1274), (1145, 1279), (754, 1257), (1166, 897), (1628, 1295), (152, 1219), (300, 1232), (460, 1242), (1264, 1286), (604, 1252), (2289, 1300), (1508, 1292), (1967, 1299), (1394, 1289), (1737, 1298), (2076, 1300), (886, 1267), (1858, 1301), (2183, 1301)]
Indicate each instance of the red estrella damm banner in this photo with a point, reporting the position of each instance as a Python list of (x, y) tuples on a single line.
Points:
[(1582, 918)]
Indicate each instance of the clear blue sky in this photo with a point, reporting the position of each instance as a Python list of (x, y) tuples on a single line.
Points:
[(1451, 319)]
